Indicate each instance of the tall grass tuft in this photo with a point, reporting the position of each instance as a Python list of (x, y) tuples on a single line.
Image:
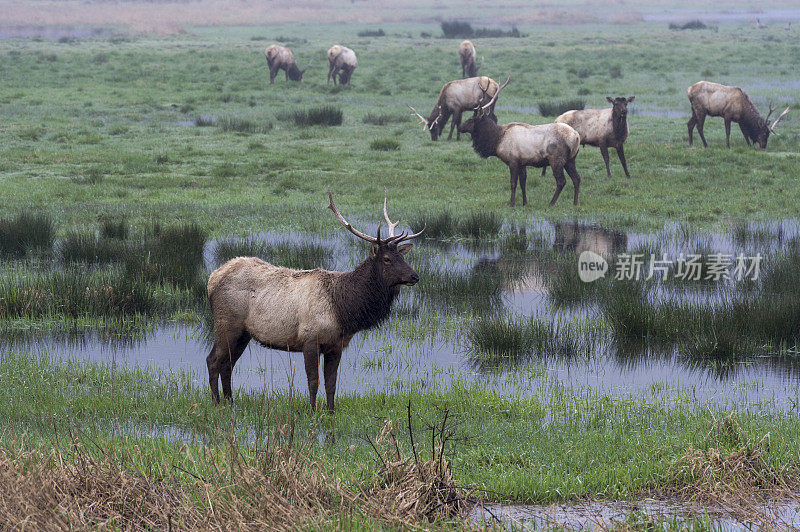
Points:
[(325, 115), (438, 226), (173, 255), (481, 224), (242, 125), (25, 233), (383, 119), (306, 256), (556, 108), (90, 249), (384, 145), (117, 229)]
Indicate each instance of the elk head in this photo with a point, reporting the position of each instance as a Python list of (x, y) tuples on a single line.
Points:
[(386, 254), (620, 109), (764, 129), (431, 124)]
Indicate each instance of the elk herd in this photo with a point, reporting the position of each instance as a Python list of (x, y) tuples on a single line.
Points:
[(317, 312)]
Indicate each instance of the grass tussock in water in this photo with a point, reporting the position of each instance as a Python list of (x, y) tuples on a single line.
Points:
[(242, 125), (443, 225), (172, 255), (90, 249), (25, 233), (306, 256), (325, 115)]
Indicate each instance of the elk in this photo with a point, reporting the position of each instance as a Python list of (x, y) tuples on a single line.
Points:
[(281, 58), (455, 98), (604, 128), (467, 56), (316, 312), (342, 62), (733, 105), (521, 145)]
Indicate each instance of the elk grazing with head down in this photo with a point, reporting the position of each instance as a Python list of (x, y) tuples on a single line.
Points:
[(520, 145), (733, 105), (316, 312), (604, 128), (281, 58), (455, 98), (342, 62), (468, 58)]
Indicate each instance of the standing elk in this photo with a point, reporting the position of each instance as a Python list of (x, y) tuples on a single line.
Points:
[(604, 128), (455, 98), (520, 145), (733, 105), (467, 56), (281, 58), (313, 311), (342, 62)]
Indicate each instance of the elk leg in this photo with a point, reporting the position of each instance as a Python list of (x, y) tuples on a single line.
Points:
[(213, 374), (621, 155), (229, 342), (523, 176), (690, 124), (273, 71), (558, 173), (604, 152), (331, 369), (456, 121), (576, 178), (330, 69), (746, 138), (233, 356), (701, 119), (513, 168), (727, 132), (311, 356), (544, 170)]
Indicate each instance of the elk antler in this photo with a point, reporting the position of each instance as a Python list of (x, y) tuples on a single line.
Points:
[(494, 98), (775, 123), (392, 238), (349, 227), (424, 120), (770, 112)]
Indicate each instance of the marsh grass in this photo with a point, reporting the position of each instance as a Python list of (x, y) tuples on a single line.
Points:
[(442, 225), (242, 125), (372, 33), (382, 119), (446, 289), (384, 145), (115, 228), (204, 121), (481, 225), (325, 115), (89, 249), (25, 233), (555, 108), (172, 255), (305, 256), (439, 225)]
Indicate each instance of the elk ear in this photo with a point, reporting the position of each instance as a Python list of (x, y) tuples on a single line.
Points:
[(403, 249), (373, 251), (631, 99), (610, 100)]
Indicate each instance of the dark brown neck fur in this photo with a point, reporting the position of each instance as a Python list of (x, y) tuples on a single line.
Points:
[(361, 299), (619, 124), (486, 136), (752, 122)]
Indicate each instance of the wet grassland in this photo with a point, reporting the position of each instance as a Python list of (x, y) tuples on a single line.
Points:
[(131, 167)]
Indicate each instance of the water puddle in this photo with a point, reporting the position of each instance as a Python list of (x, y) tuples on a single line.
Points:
[(426, 343), (605, 515)]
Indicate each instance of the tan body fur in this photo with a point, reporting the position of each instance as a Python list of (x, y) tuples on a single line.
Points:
[(604, 128), (458, 96), (733, 105), (281, 58), (467, 56), (342, 61)]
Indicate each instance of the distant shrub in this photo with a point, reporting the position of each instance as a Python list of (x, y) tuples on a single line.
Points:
[(383, 119), (455, 29), (425, 35), (559, 107), (25, 232), (372, 33), (691, 25), (326, 115), (243, 125), (100, 58), (258, 38), (615, 72), (285, 39), (384, 145)]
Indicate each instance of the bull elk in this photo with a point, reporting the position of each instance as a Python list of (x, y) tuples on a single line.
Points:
[(455, 98), (342, 62), (467, 56), (313, 311), (733, 105), (604, 128), (281, 58), (521, 145)]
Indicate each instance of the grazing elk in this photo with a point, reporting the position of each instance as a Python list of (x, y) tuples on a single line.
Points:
[(281, 58), (604, 128), (455, 98), (733, 105), (313, 311), (342, 62), (520, 145), (467, 56)]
